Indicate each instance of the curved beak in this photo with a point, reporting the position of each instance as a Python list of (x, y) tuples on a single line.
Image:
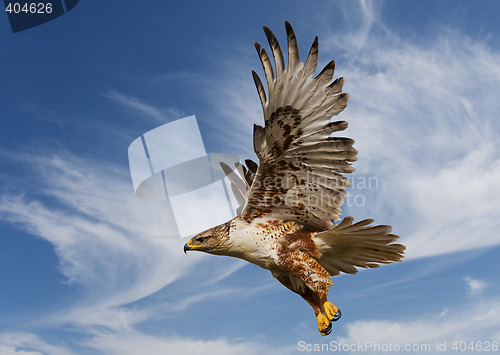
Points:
[(190, 246)]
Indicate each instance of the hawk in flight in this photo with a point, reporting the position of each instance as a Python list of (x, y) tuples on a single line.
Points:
[(292, 198)]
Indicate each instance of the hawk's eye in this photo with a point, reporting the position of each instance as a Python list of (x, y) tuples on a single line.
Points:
[(202, 239)]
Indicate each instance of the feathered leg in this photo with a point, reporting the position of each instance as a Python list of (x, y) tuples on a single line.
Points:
[(312, 285)]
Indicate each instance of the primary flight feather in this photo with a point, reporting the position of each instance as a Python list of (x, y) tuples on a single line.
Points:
[(293, 197)]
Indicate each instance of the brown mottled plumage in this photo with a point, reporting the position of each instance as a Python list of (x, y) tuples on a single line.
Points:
[(291, 200)]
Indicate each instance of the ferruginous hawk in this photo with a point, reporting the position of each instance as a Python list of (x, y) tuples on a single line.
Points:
[(293, 197)]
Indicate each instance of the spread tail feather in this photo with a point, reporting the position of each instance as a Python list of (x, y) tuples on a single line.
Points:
[(347, 246)]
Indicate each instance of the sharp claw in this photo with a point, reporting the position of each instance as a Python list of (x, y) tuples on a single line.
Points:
[(326, 331), (337, 316), (331, 311)]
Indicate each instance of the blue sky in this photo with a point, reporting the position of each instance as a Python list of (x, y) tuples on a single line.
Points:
[(78, 272)]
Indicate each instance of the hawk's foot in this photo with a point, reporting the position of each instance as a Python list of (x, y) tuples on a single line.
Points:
[(324, 324), (332, 311)]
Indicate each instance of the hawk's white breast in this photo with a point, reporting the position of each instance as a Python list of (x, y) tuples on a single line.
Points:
[(257, 242)]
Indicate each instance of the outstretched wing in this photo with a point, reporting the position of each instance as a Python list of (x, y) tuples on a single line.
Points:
[(300, 165)]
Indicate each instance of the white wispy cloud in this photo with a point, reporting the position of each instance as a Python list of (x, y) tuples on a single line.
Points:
[(217, 293), (129, 341), (459, 324), (98, 227), (101, 233), (176, 76), (139, 343), (359, 26), (443, 313), (236, 105), (424, 120), (23, 343), (144, 109), (475, 286)]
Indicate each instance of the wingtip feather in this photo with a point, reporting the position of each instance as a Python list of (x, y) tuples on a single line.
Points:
[(276, 49), (260, 88), (293, 49)]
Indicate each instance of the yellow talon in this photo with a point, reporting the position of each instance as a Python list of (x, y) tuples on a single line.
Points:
[(324, 325), (330, 310)]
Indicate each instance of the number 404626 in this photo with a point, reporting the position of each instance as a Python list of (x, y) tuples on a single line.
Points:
[(31, 8)]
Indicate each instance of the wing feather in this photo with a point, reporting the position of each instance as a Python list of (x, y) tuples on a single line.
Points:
[(348, 246), (238, 186), (279, 62), (293, 48), (260, 88), (266, 64), (312, 60), (298, 160)]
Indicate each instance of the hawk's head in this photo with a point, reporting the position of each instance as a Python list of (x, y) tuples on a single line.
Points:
[(214, 240)]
